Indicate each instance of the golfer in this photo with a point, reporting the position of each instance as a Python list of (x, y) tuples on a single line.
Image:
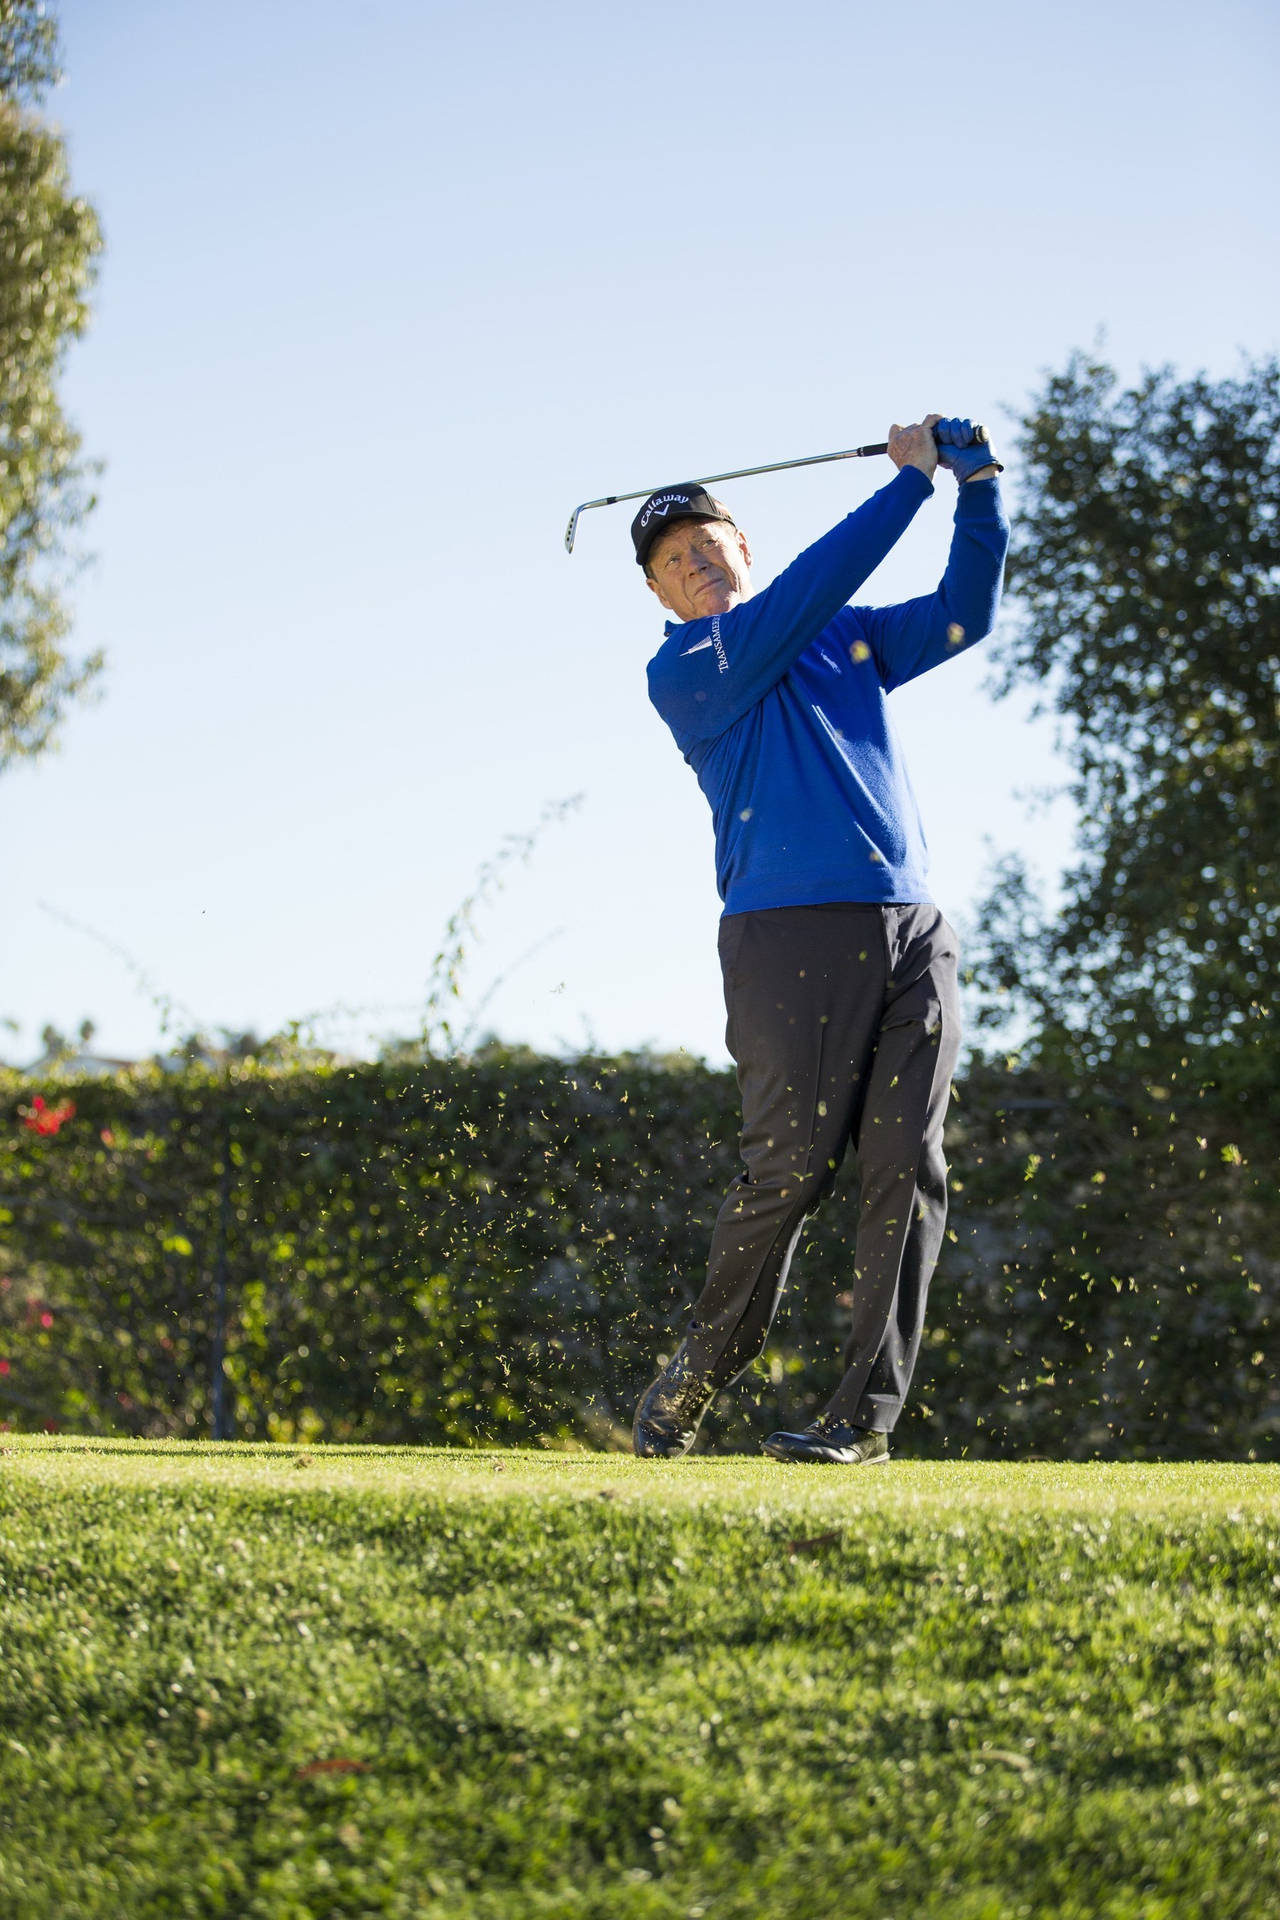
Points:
[(839, 971)]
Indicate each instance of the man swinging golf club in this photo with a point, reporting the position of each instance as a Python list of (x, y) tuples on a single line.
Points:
[(839, 971)]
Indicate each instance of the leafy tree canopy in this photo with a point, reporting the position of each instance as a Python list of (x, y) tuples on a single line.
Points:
[(1145, 575), (49, 238), (28, 50)]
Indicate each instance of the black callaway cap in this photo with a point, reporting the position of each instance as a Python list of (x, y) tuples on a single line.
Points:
[(687, 502)]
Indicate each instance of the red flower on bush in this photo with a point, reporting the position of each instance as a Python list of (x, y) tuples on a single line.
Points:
[(40, 1117)]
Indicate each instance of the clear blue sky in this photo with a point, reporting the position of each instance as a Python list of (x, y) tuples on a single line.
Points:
[(388, 289)]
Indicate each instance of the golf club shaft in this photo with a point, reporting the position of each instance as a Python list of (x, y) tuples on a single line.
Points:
[(710, 479), (739, 473)]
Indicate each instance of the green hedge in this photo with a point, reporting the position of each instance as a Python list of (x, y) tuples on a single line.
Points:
[(496, 1249)]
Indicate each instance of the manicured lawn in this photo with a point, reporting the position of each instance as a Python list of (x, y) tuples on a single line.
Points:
[(290, 1683)]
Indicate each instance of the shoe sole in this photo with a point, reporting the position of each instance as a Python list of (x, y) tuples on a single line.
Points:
[(673, 1452), (828, 1459), (656, 1453)]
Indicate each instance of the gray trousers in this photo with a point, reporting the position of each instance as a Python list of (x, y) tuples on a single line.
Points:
[(844, 1022)]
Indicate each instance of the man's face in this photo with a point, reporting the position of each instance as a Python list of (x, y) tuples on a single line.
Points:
[(699, 568)]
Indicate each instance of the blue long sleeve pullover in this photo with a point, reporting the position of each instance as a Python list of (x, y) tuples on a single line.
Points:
[(780, 706)]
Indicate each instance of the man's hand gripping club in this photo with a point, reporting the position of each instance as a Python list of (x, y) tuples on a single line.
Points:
[(955, 444)]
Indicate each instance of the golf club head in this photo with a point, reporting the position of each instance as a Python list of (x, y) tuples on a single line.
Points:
[(571, 530)]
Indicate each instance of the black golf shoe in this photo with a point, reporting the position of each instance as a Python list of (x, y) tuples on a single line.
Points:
[(671, 1409), (834, 1441)]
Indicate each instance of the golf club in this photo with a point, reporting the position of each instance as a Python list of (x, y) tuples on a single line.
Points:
[(739, 473)]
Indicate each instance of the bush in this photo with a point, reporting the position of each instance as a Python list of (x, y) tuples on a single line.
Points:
[(496, 1248)]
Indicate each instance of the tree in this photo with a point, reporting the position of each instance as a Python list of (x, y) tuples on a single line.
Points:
[(1119, 1186), (1144, 572), (28, 49), (49, 238)]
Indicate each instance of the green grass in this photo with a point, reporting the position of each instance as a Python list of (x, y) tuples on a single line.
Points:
[(591, 1688)]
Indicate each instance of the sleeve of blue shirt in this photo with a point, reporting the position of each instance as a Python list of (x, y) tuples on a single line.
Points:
[(711, 672), (906, 640)]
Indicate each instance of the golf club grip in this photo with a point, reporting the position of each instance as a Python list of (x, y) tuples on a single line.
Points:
[(882, 446)]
